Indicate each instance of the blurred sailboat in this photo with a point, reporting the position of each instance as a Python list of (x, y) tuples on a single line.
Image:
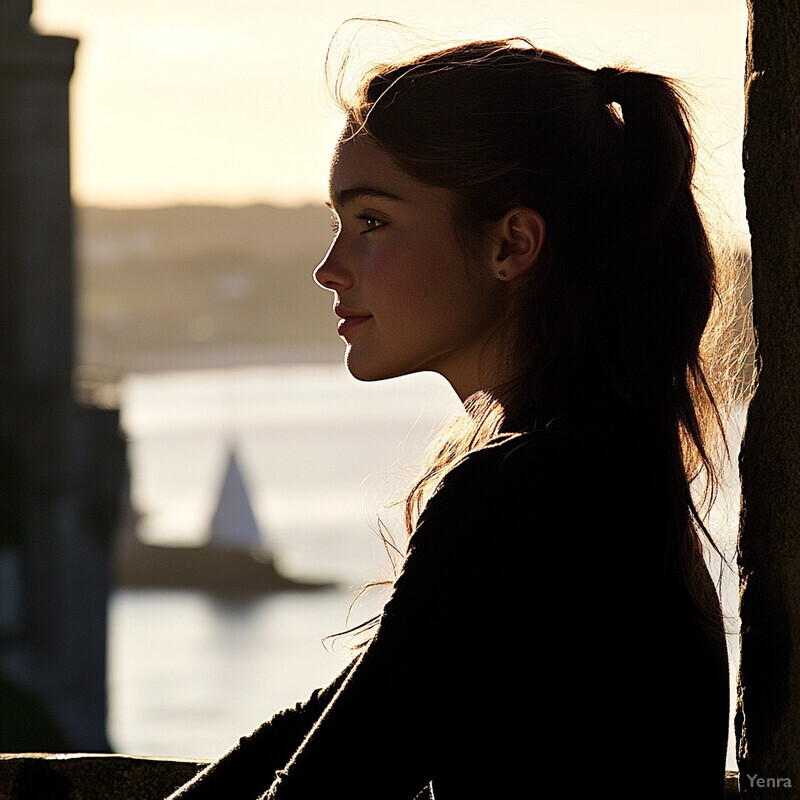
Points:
[(234, 560), (234, 525)]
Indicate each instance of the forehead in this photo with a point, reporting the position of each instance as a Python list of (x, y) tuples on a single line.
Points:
[(358, 161), (361, 167)]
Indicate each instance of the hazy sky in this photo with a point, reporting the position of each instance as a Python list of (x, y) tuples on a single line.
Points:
[(224, 100)]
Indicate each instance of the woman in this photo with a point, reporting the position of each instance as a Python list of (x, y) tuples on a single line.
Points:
[(525, 227)]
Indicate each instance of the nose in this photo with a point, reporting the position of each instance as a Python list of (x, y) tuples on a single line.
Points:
[(330, 273)]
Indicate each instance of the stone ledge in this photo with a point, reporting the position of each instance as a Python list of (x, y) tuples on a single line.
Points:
[(80, 776), (85, 776)]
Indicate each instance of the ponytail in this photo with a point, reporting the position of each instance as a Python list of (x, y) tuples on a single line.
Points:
[(663, 256), (659, 152), (667, 254)]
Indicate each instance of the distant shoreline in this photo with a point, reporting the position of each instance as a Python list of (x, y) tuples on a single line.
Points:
[(221, 356), (97, 383), (195, 287)]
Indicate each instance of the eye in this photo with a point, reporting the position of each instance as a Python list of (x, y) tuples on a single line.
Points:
[(335, 224), (371, 222)]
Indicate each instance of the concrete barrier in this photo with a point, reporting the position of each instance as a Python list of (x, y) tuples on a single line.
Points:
[(79, 776), (82, 776)]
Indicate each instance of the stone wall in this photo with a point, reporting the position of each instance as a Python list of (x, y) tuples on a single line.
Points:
[(91, 777), (768, 718)]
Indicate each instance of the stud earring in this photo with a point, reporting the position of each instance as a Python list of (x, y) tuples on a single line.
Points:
[(501, 273)]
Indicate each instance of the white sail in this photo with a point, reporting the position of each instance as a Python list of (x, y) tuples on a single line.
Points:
[(234, 525)]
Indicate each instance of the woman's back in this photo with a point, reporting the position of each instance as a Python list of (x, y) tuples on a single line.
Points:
[(600, 667), (526, 642)]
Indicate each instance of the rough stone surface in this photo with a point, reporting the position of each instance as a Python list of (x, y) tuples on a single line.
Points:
[(115, 777), (91, 777), (768, 716)]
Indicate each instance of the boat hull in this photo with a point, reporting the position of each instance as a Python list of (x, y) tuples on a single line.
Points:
[(210, 569)]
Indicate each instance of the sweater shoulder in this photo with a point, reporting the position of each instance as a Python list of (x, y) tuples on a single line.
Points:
[(520, 461), (510, 484)]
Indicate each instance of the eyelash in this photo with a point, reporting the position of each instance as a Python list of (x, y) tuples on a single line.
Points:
[(366, 218), (370, 218)]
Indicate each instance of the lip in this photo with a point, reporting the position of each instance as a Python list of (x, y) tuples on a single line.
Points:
[(348, 323), (349, 318)]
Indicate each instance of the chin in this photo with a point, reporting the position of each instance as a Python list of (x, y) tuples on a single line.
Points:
[(367, 372)]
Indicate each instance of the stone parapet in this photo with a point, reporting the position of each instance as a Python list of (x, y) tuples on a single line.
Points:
[(79, 776)]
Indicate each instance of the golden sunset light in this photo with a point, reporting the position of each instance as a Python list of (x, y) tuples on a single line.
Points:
[(211, 102)]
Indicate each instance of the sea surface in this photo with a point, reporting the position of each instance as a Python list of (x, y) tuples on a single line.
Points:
[(322, 456)]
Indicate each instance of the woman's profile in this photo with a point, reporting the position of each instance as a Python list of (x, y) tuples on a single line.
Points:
[(525, 227)]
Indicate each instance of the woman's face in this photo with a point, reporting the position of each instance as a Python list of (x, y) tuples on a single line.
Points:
[(407, 298)]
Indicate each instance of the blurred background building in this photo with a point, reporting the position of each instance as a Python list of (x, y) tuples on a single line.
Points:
[(61, 462)]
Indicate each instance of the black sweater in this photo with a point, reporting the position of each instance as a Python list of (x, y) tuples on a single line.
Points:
[(532, 646)]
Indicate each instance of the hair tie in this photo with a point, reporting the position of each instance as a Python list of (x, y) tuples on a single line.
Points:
[(606, 79)]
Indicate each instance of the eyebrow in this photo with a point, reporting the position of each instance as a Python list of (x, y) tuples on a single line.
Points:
[(346, 196)]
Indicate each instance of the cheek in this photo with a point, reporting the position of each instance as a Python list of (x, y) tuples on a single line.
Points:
[(400, 281), (424, 282), (446, 281)]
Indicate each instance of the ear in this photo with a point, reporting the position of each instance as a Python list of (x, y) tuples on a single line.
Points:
[(518, 239)]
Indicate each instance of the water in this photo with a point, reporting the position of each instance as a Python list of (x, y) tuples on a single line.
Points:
[(322, 453)]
